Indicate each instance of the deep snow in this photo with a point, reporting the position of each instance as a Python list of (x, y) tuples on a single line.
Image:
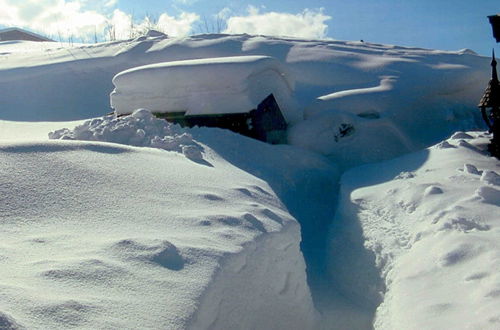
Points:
[(103, 235), (430, 229), (221, 85), (199, 228)]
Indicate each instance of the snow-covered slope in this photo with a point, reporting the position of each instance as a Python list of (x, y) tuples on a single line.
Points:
[(427, 227), (147, 225), (411, 97), (99, 235)]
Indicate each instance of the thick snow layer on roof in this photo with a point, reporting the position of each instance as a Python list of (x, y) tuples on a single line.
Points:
[(205, 86), (98, 234), (392, 99)]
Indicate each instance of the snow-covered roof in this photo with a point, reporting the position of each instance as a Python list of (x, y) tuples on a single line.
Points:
[(205, 233), (234, 84), (21, 32)]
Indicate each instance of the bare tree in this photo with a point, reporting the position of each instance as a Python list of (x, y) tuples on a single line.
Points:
[(214, 25)]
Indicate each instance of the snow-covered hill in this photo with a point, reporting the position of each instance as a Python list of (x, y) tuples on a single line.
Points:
[(136, 223)]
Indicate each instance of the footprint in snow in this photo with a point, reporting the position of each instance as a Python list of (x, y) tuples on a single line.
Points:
[(476, 276), (461, 136), (465, 144), (169, 257), (162, 253), (404, 175), (444, 145), (464, 225), (455, 256), (491, 177), (255, 223), (471, 169), (489, 195), (244, 191), (261, 190), (271, 215), (212, 197)]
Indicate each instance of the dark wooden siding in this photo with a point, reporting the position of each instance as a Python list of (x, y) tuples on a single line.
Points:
[(266, 123)]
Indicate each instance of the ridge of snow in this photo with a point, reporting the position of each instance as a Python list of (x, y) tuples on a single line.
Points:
[(131, 236), (127, 237)]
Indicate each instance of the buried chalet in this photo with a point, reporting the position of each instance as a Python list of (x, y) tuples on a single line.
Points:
[(250, 95)]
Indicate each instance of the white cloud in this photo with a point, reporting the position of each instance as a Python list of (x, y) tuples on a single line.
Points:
[(64, 19), (82, 19), (52, 17), (111, 3), (177, 26), (307, 24), (123, 26), (119, 25)]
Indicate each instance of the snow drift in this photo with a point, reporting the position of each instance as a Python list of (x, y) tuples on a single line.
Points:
[(111, 236), (386, 96), (423, 230), (151, 235)]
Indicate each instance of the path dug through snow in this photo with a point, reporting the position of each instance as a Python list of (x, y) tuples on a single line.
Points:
[(430, 226), (95, 230)]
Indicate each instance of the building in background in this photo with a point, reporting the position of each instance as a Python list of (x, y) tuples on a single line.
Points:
[(15, 33)]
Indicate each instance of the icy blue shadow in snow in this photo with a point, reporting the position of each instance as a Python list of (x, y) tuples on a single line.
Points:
[(201, 162), (342, 274), (384, 171), (306, 183), (352, 269)]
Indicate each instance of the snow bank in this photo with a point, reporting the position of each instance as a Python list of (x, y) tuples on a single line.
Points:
[(125, 237), (351, 140), (403, 87), (205, 86), (140, 129), (251, 279), (428, 96), (427, 225)]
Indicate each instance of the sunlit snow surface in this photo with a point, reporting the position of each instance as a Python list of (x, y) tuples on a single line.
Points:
[(430, 226), (222, 85), (136, 223), (101, 235)]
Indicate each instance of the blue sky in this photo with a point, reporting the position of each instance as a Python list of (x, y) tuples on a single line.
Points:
[(438, 24)]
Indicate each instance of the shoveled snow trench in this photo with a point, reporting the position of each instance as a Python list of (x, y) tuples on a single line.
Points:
[(153, 226)]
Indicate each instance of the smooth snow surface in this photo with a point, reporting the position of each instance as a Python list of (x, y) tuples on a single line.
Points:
[(206, 86), (98, 235), (132, 222)]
